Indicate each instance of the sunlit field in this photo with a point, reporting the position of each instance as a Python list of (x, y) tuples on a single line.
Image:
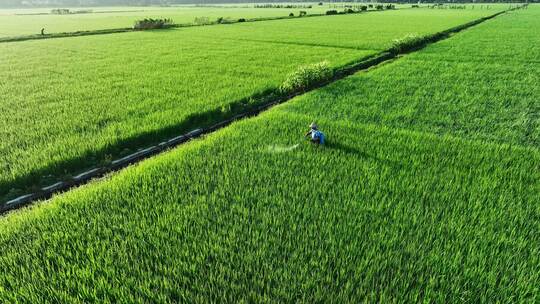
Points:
[(18, 22), (71, 103), (427, 189)]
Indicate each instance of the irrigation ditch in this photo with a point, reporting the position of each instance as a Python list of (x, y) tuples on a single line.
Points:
[(268, 100)]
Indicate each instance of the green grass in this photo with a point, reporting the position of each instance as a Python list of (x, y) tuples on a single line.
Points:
[(69, 104), (391, 210)]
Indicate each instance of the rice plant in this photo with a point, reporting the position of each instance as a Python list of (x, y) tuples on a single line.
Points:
[(427, 191)]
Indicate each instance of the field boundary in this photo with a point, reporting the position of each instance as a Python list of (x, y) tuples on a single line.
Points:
[(266, 100), (173, 26)]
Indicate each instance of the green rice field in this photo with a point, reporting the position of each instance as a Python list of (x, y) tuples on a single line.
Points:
[(71, 103), (19, 22), (427, 190), (22, 22)]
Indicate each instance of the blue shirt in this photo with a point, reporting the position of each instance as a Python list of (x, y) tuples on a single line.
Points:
[(316, 134)]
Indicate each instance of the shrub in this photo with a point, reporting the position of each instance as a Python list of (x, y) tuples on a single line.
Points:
[(219, 20), (415, 6), (83, 11), (302, 13), (390, 6), (320, 3), (149, 23), (307, 76), (291, 15), (349, 11), (60, 11), (370, 5), (282, 6), (379, 7), (242, 20), (406, 43), (202, 20), (331, 12), (363, 8)]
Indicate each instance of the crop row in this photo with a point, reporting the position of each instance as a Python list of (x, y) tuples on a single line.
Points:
[(391, 209), (69, 104)]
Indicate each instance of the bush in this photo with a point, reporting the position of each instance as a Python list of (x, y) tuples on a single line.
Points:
[(302, 13), (349, 11), (331, 12), (202, 20), (242, 20), (149, 23), (390, 6), (283, 6), (415, 6), (406, 43), (379, 7), (370, 5), (363, 8), (291, 15), (320, 3), (307, 76), (60, 11)]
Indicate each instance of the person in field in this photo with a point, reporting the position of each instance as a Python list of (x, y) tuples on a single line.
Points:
[(316, 136)]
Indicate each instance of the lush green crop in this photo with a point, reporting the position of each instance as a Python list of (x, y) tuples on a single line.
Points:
[(476, 86), (12, 23), (358, 31), (15, 23), (25, 22), (395, 208), (68, 104)]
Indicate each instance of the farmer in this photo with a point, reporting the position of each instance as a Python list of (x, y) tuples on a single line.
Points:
[(317, 137)]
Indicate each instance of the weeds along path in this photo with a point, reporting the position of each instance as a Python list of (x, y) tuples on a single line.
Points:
[(239, 109), (400, 206)]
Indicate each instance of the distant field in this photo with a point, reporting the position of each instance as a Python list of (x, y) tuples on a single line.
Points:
[(12, 23), (427, 191), (18, 22), (373, 31), (69, 104)]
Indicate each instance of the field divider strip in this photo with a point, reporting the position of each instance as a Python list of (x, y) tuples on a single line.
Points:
[(173, 26), (270, 100)]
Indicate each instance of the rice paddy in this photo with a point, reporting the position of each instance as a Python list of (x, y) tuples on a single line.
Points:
[(72, 103), (427, 191)]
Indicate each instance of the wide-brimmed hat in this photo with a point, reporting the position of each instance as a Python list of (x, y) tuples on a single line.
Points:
[(313, 125)]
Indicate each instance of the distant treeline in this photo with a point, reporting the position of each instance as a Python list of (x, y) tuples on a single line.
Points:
[(83, 3)]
